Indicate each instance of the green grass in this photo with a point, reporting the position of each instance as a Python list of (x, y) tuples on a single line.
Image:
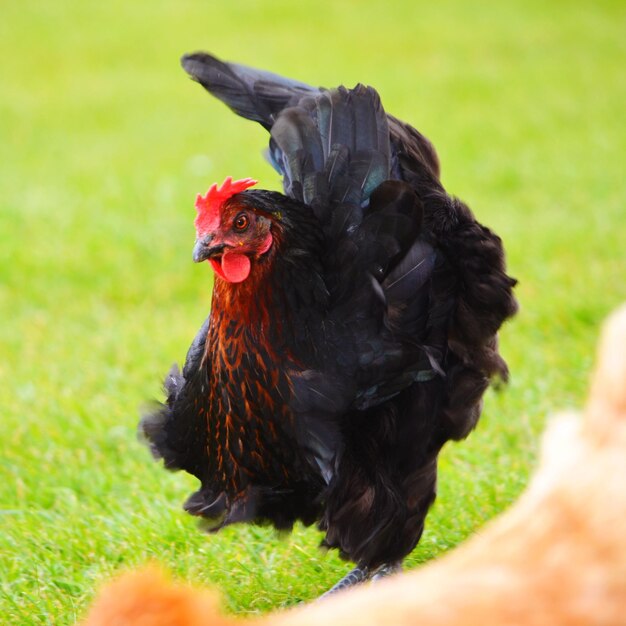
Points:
[(103, 146)]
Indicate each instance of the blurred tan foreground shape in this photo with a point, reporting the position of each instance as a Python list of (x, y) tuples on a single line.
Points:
[(558, 556)]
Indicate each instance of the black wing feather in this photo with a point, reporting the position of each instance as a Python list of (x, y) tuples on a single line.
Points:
[(332, 147), (254, 94), (330, 151), (298, 152)]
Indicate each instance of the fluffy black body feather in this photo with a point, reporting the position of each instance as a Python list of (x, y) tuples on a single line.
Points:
[(368, 338)]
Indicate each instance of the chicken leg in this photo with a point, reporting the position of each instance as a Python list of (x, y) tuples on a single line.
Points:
[(361, 574), (353, 577)]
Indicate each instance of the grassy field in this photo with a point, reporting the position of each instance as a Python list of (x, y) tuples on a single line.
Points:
[(103, 146)]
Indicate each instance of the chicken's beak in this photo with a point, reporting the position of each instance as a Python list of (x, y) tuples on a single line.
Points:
[(203, 249)]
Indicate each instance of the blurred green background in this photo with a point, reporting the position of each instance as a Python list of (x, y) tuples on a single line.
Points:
[(104, 144)]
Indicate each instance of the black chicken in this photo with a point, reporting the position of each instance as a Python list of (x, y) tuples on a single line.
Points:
[(352, 329)]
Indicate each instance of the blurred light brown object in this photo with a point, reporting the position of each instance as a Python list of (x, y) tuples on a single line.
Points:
[(558, 556)]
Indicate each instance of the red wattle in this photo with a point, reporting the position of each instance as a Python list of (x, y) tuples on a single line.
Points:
[(217, 268), (234, 268)]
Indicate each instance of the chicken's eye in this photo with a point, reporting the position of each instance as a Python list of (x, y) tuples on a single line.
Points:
[(241, 222)]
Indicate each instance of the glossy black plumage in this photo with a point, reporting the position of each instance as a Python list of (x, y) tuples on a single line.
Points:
[(323, 387)]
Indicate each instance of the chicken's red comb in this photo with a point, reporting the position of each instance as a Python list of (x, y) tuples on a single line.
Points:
[(209, 206)]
